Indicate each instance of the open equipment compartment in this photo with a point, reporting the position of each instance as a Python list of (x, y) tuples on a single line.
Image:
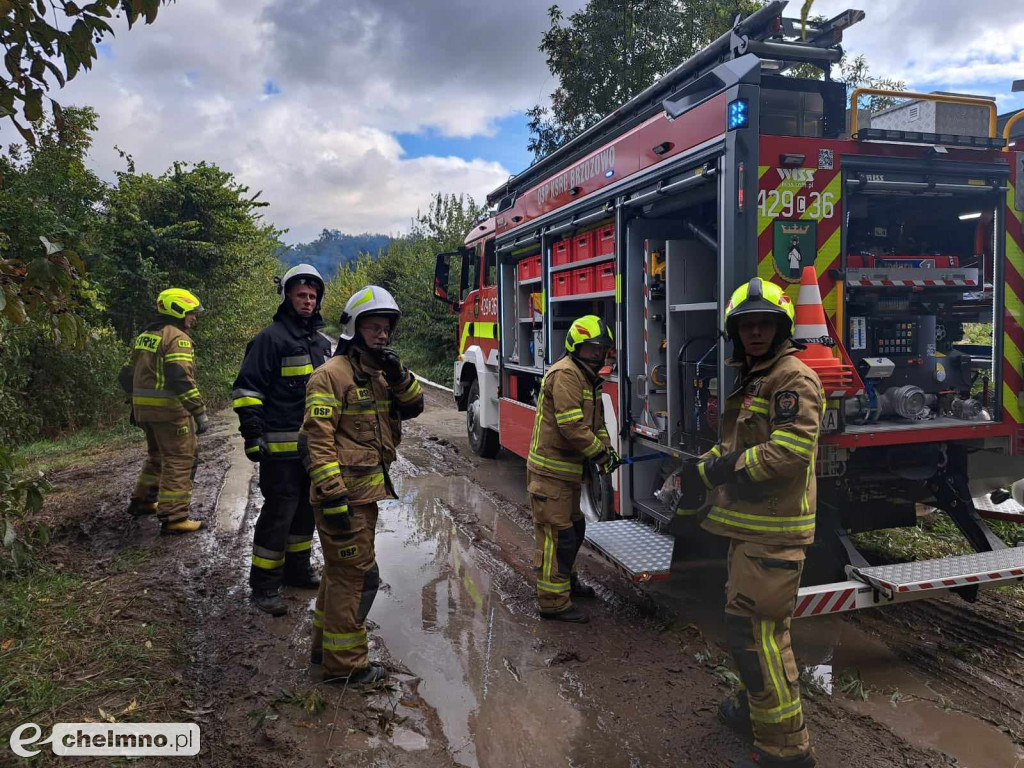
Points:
[(921, 268)]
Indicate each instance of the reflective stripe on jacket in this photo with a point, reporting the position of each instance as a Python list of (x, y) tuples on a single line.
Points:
[(773, 417), (353, 425), (163, 375), (569, 427), (269, 393)]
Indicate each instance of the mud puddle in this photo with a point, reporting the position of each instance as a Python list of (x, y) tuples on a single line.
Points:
[(847, 662), (447, 617)]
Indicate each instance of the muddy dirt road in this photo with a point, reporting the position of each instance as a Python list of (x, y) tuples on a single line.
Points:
[(478, 680)]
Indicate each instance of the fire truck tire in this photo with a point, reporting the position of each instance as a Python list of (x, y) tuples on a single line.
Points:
[(482, 440), (597, 501)]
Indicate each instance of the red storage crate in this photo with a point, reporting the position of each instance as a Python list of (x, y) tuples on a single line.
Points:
[(606, 277), (561, 283), (583, 280), (606, 240), (583, 246), (561, 252), (529, 268), (535, 266)]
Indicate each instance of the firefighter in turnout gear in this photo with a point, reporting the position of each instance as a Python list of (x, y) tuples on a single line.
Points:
[(355, 406), (760, 488), (568, 433), (166, 404), (269, 397)]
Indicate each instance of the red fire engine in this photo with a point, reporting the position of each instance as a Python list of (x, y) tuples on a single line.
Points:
[(728, 168)]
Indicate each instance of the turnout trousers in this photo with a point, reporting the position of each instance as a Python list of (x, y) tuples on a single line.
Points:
[(559, 529), (348, 587), (165, 483), (283, 540), (760, 598)]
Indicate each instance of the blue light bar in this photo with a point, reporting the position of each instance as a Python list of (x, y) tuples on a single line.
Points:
[(737, 114)]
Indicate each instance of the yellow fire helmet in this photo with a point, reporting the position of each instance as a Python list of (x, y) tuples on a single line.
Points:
[(589, 329), (759, 296), (177, 302)]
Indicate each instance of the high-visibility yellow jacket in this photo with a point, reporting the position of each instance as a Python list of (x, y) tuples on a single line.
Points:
[(352, 426), (161, 377), (773, 416), (569, 427)]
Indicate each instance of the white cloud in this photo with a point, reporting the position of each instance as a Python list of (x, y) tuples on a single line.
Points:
[(346, 78), (940, 44)]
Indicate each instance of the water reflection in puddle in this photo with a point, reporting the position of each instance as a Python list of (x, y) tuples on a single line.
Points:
[(846, 661), (443, 616)]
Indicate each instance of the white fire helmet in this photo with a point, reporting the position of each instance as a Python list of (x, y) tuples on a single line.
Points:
[(368, 300), (305, 274)]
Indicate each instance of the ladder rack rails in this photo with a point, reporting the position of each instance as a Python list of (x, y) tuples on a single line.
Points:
[(765, 34)]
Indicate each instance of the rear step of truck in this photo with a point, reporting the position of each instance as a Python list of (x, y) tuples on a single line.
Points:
[(634, 548), (903, 582)]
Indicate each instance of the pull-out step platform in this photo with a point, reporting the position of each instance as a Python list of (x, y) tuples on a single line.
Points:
[(901, 583), (985, 568), (1008, 510), (634, 548)]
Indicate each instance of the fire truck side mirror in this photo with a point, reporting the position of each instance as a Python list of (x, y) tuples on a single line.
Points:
[(442, 271)]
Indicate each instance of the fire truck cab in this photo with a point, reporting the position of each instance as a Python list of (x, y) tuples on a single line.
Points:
[(729, 168)]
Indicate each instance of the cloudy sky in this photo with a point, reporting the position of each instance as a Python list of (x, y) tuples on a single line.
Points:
[(348, 114)]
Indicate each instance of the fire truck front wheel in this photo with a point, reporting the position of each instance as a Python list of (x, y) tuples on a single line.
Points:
[(482, 440)]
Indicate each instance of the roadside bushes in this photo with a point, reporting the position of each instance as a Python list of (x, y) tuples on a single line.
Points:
[(426, 337)]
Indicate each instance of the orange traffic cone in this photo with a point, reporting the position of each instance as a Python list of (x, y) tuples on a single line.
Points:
[(812, 331)]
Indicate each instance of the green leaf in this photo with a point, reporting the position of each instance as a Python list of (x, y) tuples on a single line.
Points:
[(68, 329), (39, 273), (81, 39), (150, 7), (26, 133), (56, 73), (34, 105), (51, 248), (8, 534), (3, 298)]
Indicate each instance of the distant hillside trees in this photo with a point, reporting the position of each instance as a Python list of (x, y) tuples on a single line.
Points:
[(333, 250)]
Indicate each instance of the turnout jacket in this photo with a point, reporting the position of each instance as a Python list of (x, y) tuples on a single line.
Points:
[(773, 418), (161, 377), (269, 393), (569, 427), (353, 425)]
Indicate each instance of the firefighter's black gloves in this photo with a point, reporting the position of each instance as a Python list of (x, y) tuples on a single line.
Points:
[(256, 448), (391, 365), (719, 471), (202, 423), (608, 461), (335, 511), (692, 490)]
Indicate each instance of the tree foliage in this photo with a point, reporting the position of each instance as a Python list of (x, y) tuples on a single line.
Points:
[(192, 227), (333, 249), (609, 51), (426, 336), (37, 35)]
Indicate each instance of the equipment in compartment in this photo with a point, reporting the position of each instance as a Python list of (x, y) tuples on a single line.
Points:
[(902, 342)]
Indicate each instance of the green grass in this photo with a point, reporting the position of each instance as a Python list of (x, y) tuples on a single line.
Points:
[(68, 450), (65, 654)]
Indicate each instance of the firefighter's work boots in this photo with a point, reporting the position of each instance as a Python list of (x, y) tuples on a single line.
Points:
[(735, 713), (309, 579), (579, 589), (573, 616), (374, 673), (140, 508), (269, 601), (181, 526), (759, 759)]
